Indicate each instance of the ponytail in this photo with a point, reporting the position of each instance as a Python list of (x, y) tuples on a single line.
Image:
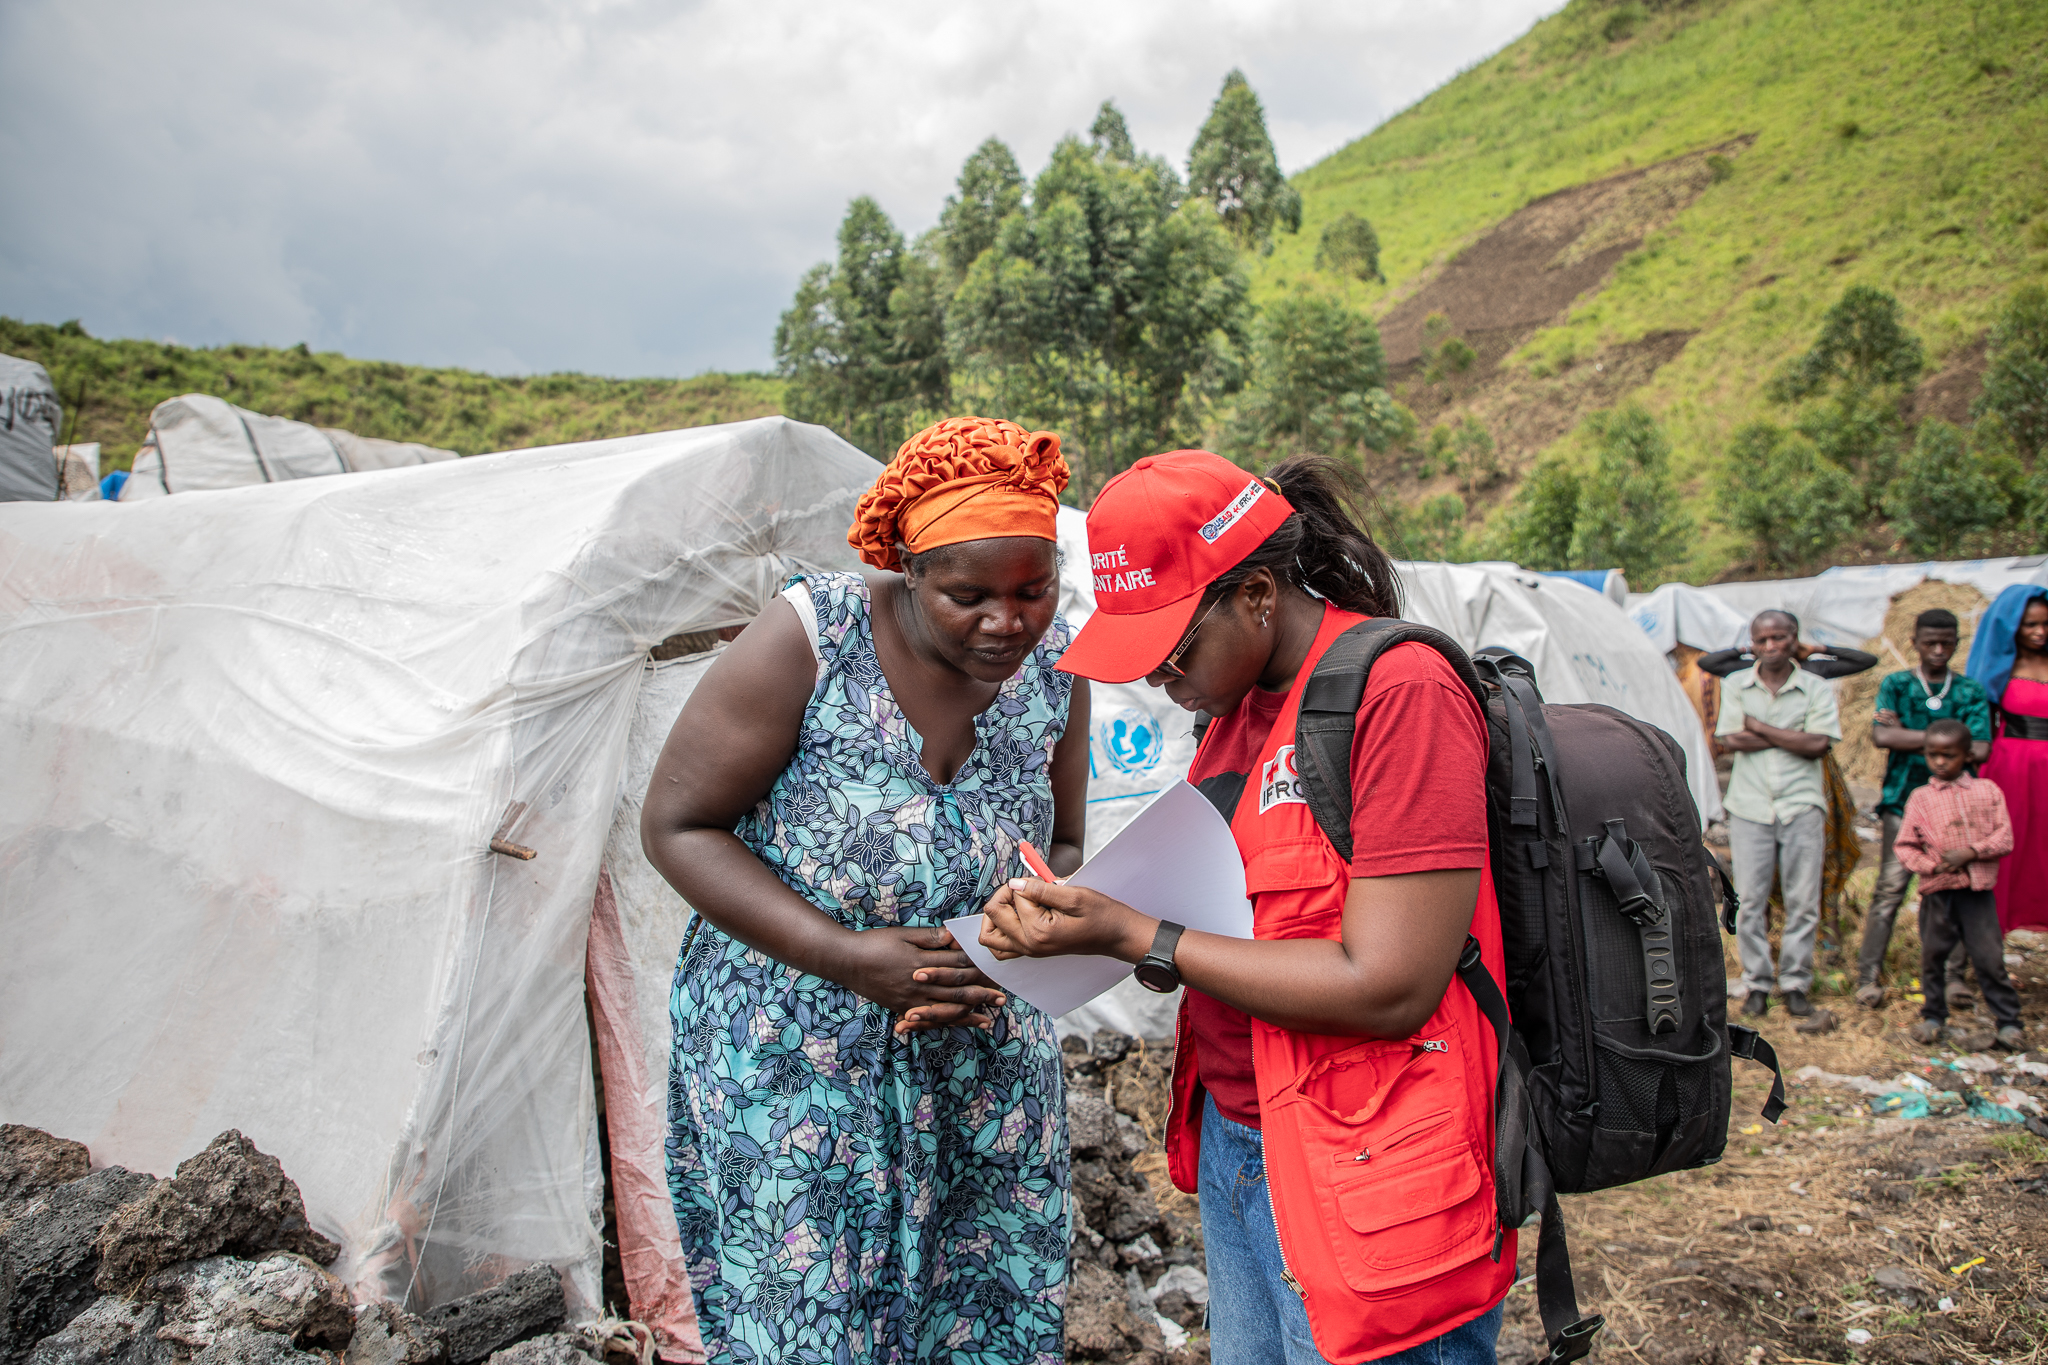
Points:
[(1324, 547)]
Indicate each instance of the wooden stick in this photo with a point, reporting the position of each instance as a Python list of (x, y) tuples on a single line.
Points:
[(512, 850)]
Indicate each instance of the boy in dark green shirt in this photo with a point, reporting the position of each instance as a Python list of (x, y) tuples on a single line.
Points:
[(1907, 703)]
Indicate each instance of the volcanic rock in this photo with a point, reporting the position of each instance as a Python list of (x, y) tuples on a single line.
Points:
[(230, 1198), (241, 1346), (112, 1331), (526, 1305), (32, 1161), (282, 1293), (556, 1348), (1100, 1323), (388, 1335), (48, 1255)]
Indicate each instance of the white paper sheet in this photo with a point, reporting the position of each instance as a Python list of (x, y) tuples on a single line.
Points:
[(1176, 860)]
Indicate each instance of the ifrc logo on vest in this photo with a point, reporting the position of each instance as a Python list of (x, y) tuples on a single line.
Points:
[(1279, 784)]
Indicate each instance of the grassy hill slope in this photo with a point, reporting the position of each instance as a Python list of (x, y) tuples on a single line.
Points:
[(1876, 141), (460, 410)]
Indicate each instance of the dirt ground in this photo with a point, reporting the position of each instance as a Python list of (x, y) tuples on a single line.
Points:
[(1775, 1254)]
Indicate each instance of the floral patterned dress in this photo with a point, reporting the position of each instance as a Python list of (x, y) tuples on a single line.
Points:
[(846, 1195)]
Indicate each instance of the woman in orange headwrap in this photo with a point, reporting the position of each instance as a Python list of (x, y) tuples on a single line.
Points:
[(856, 1176)]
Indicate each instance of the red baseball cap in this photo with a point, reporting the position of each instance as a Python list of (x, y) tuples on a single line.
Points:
[(1158, 535)]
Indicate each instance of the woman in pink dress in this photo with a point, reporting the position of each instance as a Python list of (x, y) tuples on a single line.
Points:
[(2010, 658)]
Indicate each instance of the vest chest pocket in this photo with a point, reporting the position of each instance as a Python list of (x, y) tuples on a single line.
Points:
[(1295, 864), (1297, 888)]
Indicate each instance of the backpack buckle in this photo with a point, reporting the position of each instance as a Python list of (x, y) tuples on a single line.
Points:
[(1576, 1340)]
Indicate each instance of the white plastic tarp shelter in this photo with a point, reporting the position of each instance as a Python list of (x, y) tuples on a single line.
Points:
[(198, 442), (78, 471), (257, 745), (1839, 606), (1583, 646), (1681, 614), (29, 419)]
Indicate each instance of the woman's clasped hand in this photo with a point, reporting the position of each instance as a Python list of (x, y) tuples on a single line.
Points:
[(1028, 917), (922, 976)]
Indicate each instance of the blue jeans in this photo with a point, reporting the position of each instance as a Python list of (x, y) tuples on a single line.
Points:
[(1254, 1318)]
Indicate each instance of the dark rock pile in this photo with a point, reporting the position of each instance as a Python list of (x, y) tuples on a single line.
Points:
[(218, 1266), (1136, 1290)]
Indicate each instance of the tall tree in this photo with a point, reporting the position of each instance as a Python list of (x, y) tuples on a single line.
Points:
[(1793, 502), (1540, 522), (1232, 165), (862, 344), (1628, 514), (991, 188), (1861, 362), (1320, 383), (1944, 492), (2015, 394), (1107, 308)]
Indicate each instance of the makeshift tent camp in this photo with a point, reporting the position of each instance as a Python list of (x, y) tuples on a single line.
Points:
[(29, 418), (200, 442), (1839, 606), (1611, 583), (259, 742), (258, 745)]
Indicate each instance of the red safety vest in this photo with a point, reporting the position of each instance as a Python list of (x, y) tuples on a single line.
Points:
[(1379, 1152)]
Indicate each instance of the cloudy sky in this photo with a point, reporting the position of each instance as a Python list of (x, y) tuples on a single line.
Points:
[(613, 186)]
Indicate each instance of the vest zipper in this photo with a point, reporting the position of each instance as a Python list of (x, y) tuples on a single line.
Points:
[(1286, 1271)]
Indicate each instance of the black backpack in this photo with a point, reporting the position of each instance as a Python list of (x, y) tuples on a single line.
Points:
[(1617, 1066)]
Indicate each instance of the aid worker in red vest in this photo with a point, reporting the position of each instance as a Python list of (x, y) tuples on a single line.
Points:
[(1332, 1085)]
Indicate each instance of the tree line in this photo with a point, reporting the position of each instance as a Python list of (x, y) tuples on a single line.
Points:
[(1105, 299), (1837, 468)]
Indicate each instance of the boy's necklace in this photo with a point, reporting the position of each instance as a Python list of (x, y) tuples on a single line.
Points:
[(1934, 700)]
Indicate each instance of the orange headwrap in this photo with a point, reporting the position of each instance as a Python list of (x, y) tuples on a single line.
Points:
[(968, 478)]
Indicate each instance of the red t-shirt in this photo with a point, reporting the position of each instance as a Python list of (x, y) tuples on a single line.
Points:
[(1418, 783)]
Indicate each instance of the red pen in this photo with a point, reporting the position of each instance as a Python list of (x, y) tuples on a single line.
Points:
[(1035, 861)]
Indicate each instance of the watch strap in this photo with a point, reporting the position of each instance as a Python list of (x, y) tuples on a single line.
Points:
[(1164, 942)]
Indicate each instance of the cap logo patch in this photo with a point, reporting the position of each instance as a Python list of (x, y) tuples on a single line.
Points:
[(1227, 518)]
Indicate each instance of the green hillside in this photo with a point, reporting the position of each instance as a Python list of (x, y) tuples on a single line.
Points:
[(459, 410), (1792, 149)]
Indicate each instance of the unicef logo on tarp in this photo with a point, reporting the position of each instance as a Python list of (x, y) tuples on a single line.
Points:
[(1127, 741)]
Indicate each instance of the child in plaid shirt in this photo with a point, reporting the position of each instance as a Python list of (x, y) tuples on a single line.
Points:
[(1954, 831)]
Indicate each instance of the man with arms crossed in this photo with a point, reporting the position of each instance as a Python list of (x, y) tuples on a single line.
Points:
[(1778, 719)]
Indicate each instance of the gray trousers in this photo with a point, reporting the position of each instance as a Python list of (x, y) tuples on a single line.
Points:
[(1885, 900), (1793, 851)]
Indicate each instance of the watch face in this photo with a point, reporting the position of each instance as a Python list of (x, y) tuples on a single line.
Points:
[(1156, 976)]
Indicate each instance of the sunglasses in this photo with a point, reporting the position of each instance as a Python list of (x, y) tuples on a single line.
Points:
[(1171, 665)]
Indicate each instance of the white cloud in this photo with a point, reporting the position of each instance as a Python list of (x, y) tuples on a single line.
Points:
[(604, 185)]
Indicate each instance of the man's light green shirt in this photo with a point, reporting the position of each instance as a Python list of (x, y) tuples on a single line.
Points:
[(1773, 785)]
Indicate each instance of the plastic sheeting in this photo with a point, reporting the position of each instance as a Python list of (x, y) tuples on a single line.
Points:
[(29, 420), (78, 471), (1584, 649), (257, 743), (636, 930), (1841, 606), (198, 442), (1680, 614)]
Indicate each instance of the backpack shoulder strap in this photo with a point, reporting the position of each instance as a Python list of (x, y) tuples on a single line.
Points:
[(1328, 717)]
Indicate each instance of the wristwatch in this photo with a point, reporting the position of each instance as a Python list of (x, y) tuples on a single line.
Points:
[(1155, 971)]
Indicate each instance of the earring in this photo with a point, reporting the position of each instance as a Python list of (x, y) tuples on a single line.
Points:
[(1264, 619)]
